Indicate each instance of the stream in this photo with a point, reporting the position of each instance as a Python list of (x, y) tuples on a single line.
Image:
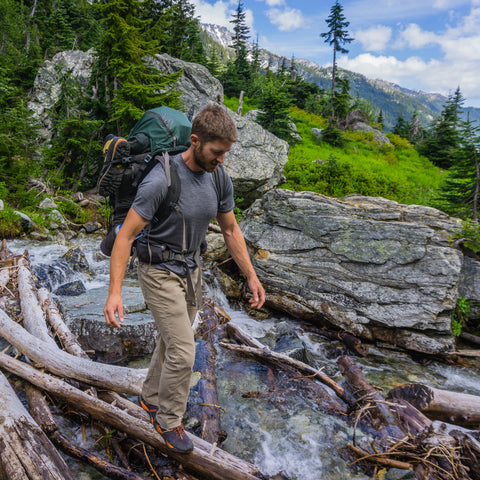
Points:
[(283, 432)]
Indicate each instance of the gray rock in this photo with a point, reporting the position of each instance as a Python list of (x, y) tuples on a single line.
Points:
[(2, 205), (358, 121), (47, 204), (71, 289), (26, 221), (92, 227), (57, 220), (363, 264), (317, 133), (46, 88), (84, 316), (470, 285), (75, 257), (197, 86)]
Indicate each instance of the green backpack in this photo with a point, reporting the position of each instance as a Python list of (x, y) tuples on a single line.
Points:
[(159, 132)]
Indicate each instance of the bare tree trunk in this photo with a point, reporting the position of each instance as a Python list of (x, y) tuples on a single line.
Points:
[(269, 356), (41, 413), (120, 379), (25, 451), (452, 407), (240, 103), (33, 315), (207, 409)]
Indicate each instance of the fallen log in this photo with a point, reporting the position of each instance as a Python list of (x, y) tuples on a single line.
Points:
[(206, 407), (434, 453), (40, 411), (55, 319), (33, 315), (470, 338), (452, 407), (120, 379), (25, 451), (379, 414), (198, 461)]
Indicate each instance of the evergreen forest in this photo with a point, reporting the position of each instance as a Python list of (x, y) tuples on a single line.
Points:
[(434, 165)]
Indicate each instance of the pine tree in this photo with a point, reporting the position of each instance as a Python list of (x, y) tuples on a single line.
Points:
[(240, 29), (255, 58), (72, 154), (238, 75), (401, 127), (127, 83), (274, 104), (380, 119), (337, 36), (443, 138), (462, 188), (174, 25)]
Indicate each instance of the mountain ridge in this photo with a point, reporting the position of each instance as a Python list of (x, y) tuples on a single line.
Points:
[(394, 100)]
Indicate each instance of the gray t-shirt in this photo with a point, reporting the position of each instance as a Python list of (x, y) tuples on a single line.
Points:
[(199, 202)]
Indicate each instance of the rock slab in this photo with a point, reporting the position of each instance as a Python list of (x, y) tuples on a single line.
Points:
[(373, 267)]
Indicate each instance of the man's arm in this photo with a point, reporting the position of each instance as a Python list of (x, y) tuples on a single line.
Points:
[(131, 227), (238, 249)]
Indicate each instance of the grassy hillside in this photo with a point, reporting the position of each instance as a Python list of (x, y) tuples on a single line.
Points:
[(362, 166)]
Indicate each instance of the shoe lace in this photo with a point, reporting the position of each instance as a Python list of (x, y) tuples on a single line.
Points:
[(180, 431)]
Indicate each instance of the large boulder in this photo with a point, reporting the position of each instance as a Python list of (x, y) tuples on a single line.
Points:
[(376, 268), (256, 161), (47, 85)]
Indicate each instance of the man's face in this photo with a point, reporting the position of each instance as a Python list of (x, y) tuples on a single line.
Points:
[(208, 155)]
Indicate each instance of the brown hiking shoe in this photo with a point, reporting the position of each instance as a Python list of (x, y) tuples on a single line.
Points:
[(149, 408), (176, 438)]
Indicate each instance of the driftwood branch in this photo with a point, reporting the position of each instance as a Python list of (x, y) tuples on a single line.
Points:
[(267, 355)]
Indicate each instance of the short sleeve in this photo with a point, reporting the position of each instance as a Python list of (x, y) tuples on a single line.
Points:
[(226, 203), (151, 193)]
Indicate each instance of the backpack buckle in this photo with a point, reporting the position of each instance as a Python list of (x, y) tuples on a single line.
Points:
[(147, 158)]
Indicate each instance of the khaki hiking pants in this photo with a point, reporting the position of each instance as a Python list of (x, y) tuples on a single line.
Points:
[(168, 379)]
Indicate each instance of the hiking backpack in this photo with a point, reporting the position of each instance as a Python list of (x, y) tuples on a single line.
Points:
[(127, 161)]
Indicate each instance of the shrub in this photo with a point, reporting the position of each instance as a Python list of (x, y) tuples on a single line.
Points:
[(10, 224)]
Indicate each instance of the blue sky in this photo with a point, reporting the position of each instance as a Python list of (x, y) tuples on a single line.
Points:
[(428, 45)]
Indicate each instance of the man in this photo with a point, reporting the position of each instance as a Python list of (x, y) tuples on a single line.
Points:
[(170, 280)]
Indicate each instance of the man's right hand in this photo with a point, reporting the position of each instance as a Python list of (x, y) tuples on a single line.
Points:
[(113, 305)]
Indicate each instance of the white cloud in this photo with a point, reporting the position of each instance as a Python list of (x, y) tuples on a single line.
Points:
[(416, 73), (374, 39), (286, 19), (414, 37), (220, 13), (445, 4), (275, 3)]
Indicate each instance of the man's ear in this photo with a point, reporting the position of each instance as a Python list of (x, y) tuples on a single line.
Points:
[(194, 140)]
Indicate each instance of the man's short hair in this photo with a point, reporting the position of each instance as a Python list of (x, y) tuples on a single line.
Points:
[(214, 123)]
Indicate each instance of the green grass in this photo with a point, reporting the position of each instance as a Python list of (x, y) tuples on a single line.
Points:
[(362, 166)]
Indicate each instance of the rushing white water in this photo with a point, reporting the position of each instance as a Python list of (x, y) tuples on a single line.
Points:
[(281, 432)]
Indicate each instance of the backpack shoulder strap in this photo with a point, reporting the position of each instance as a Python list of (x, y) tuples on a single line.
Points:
[(174, 188)]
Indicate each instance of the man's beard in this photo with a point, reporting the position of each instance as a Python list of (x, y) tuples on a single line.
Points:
[(202, 162)]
